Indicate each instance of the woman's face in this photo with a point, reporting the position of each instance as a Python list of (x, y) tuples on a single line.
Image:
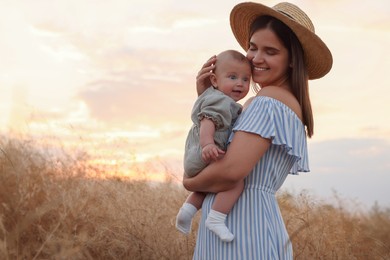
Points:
[(269, 57)]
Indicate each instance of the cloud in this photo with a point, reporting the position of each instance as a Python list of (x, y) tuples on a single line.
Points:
[(350, 13), (114, 101), (351, 156), (358, 169), (352, 98), (144, 87)]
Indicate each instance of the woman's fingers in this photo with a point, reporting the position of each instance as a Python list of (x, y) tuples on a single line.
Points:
[(209, 65), (203, 77), (206, 68), (203, 80)]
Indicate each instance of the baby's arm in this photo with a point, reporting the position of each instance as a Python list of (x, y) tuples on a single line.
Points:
[(210, 151)]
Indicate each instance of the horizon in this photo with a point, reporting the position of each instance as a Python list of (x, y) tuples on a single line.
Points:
[(120, 76)]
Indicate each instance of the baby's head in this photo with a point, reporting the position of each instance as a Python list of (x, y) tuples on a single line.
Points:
[(232, 74)]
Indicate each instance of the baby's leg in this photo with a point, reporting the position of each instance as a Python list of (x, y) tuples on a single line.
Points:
[(223, 203), (196, 199), (188, 210)]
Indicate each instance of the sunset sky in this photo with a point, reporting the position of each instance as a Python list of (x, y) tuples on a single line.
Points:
[(117, 78)]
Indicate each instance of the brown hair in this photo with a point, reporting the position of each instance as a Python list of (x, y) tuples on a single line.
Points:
[(298, 75)]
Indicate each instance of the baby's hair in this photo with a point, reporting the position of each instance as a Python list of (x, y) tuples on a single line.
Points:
[(238, 56), (234, 54)]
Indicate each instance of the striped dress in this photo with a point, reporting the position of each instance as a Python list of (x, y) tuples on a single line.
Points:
[(255, 220)]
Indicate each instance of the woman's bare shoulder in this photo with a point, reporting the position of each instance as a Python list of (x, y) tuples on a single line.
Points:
[(284, 96), (246, 104)]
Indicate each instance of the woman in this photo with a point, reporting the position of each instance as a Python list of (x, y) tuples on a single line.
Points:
[(269, 138)]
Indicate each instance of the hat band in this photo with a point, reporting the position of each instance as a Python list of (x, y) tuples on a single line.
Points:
[(286, 14)]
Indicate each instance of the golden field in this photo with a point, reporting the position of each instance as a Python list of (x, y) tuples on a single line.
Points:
[(59, 206)]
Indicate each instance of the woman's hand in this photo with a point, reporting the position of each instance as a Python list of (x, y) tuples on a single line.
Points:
[(203, 77)]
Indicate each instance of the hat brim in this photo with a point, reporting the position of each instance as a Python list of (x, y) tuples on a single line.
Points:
[(317, 56)]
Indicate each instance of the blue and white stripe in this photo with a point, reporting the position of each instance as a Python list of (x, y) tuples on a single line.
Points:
[(256, 220)]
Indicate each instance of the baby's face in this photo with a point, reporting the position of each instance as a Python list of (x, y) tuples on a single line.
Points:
[(233, 78)]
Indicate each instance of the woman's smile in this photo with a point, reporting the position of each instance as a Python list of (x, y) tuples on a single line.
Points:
[(260, 69)]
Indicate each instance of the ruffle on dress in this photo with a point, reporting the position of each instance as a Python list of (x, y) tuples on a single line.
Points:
[(272, 119)]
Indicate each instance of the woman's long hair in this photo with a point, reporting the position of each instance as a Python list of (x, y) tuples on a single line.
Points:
[(298, 76)]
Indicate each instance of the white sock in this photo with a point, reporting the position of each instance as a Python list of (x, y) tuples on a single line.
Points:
[(184, 217), (216, 223)]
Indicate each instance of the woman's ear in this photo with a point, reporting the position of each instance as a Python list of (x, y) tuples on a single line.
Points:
[(213, 80)]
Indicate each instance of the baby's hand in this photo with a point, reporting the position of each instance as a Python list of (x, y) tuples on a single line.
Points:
[(211, 152)]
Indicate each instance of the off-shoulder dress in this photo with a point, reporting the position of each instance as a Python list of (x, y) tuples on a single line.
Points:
[(255, 220)]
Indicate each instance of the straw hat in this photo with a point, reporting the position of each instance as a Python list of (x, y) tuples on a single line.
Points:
[(317, 56)]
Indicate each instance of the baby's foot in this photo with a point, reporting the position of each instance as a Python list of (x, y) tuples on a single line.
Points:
[(216, 223), (184, 218)]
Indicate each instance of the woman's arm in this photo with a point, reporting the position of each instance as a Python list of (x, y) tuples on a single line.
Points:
[(203, 77), (242, 155)]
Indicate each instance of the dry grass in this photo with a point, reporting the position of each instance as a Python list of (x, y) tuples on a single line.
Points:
[(60, 207)]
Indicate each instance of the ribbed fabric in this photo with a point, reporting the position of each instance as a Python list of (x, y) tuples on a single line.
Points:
[(255, 220), (223, 111)]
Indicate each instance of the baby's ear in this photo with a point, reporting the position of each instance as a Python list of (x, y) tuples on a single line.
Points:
[(213, 80)]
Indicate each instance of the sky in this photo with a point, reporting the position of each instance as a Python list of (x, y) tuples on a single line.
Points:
[(117, 79)]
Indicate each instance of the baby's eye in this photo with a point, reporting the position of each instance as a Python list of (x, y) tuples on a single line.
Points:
[(232, 77)]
